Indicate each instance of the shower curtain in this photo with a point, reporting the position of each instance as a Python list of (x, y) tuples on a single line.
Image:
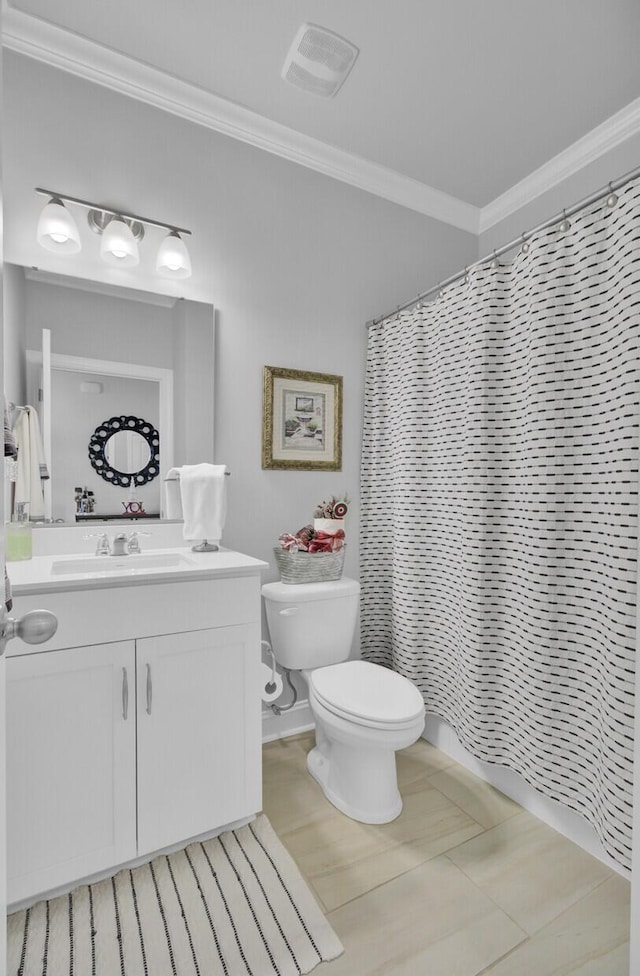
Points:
[(499, 509)]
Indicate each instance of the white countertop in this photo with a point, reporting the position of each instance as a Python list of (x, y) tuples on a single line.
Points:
[(80, 571)]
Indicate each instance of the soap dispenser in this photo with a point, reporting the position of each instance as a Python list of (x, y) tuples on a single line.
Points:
[(18, 536)]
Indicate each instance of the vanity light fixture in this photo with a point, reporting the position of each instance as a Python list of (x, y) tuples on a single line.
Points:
[(57, 230), (119, 245), (173, 258), (120, 233)]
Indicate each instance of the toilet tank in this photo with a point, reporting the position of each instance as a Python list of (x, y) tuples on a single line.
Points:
[(311, 624)]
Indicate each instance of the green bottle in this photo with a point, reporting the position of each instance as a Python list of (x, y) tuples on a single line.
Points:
[(18, 536)]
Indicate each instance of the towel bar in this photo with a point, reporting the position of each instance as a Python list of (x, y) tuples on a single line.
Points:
[(205, 545)]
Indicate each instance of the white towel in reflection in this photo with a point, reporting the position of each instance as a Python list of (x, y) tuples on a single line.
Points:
[(203, 493), (172, 499), (32, 466)]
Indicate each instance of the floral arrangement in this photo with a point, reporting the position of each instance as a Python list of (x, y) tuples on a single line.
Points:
[(307, 539), (334, 508), (312, 538)]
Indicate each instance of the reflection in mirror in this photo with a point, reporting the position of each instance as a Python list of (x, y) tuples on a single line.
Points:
[(137, 446), (102, 326), (127, 451)]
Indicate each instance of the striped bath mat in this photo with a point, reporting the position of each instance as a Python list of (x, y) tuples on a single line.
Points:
[(235, 905)]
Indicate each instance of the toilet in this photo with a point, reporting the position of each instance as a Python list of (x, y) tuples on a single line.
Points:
[(363, 712)]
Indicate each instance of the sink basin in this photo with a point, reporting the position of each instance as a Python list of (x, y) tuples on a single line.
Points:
[(127, 565)]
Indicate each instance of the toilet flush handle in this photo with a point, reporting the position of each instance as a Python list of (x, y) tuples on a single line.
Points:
[(289, 611)]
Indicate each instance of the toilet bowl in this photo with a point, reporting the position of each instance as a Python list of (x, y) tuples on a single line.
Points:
[(363, 712)]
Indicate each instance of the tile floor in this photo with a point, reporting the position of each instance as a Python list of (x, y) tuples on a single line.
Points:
[(465, 882)]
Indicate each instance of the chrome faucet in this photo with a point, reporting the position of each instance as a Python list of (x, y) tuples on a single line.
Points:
[(119, 547), (122, 545)]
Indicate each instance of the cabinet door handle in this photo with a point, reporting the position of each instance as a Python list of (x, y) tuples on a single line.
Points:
[(125, 694), (149, 690)]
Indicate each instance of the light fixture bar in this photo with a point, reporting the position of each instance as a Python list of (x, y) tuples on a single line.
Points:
[(108, 210)]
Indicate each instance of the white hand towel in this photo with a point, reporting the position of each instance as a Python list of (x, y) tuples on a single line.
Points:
[(172, 499), (204, 500)]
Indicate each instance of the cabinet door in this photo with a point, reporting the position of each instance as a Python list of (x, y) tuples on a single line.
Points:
[(198, 733), (70, 765)]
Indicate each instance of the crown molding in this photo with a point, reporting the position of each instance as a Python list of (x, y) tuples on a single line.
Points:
[(605, 137), (36, 38)]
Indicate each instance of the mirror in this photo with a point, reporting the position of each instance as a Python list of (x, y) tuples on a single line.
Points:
[(125, 451), (114, 352)]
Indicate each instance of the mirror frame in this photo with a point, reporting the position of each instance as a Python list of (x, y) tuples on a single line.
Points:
[(98, 451)]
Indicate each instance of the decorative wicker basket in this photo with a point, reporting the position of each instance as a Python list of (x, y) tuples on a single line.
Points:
[(309, 567)]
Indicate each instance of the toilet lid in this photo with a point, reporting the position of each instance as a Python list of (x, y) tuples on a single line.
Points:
[(359, 689)]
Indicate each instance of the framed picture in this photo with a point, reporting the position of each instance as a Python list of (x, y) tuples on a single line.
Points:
[(302, 420)]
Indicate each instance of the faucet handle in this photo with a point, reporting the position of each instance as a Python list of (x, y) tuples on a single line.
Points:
[(133, 545), (103, 548)]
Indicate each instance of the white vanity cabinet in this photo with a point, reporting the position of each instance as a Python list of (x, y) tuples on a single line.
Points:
[(71, 765), (192, 733), (138, 743)]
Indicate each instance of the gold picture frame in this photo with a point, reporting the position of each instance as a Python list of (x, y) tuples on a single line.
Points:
[(301, 420)]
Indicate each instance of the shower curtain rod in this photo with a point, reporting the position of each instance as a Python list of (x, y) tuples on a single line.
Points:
[(568, 212)]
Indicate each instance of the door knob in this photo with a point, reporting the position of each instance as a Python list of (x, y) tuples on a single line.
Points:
[(35, 627)]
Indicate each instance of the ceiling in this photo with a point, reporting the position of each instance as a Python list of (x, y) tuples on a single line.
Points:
[(461, 98)]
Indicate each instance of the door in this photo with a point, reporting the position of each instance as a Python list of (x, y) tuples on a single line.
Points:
[(71, 789), (196, 768)]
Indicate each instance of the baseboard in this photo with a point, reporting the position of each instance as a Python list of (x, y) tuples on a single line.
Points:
[(571, 825), (295, 720)]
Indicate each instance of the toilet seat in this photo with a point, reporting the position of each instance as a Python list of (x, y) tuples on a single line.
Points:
[(367, 694)]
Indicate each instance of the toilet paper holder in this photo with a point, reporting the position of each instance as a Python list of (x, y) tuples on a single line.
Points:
[(273, 683)]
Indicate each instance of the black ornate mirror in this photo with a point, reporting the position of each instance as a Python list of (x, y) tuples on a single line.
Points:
[(125, 451)]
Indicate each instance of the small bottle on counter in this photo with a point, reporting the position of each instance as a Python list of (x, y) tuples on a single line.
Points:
[(18, 536), (78, 499)]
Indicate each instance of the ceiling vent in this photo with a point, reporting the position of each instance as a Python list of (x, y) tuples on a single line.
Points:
[(319, 60)]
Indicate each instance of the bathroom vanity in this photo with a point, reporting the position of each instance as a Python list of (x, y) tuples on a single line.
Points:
[(137, 726)]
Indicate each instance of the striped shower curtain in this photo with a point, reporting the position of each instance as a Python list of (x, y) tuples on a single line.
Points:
[(499, 510)]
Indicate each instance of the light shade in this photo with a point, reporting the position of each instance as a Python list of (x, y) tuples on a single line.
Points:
[(173, 259), (57, 230), (118, 245)]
